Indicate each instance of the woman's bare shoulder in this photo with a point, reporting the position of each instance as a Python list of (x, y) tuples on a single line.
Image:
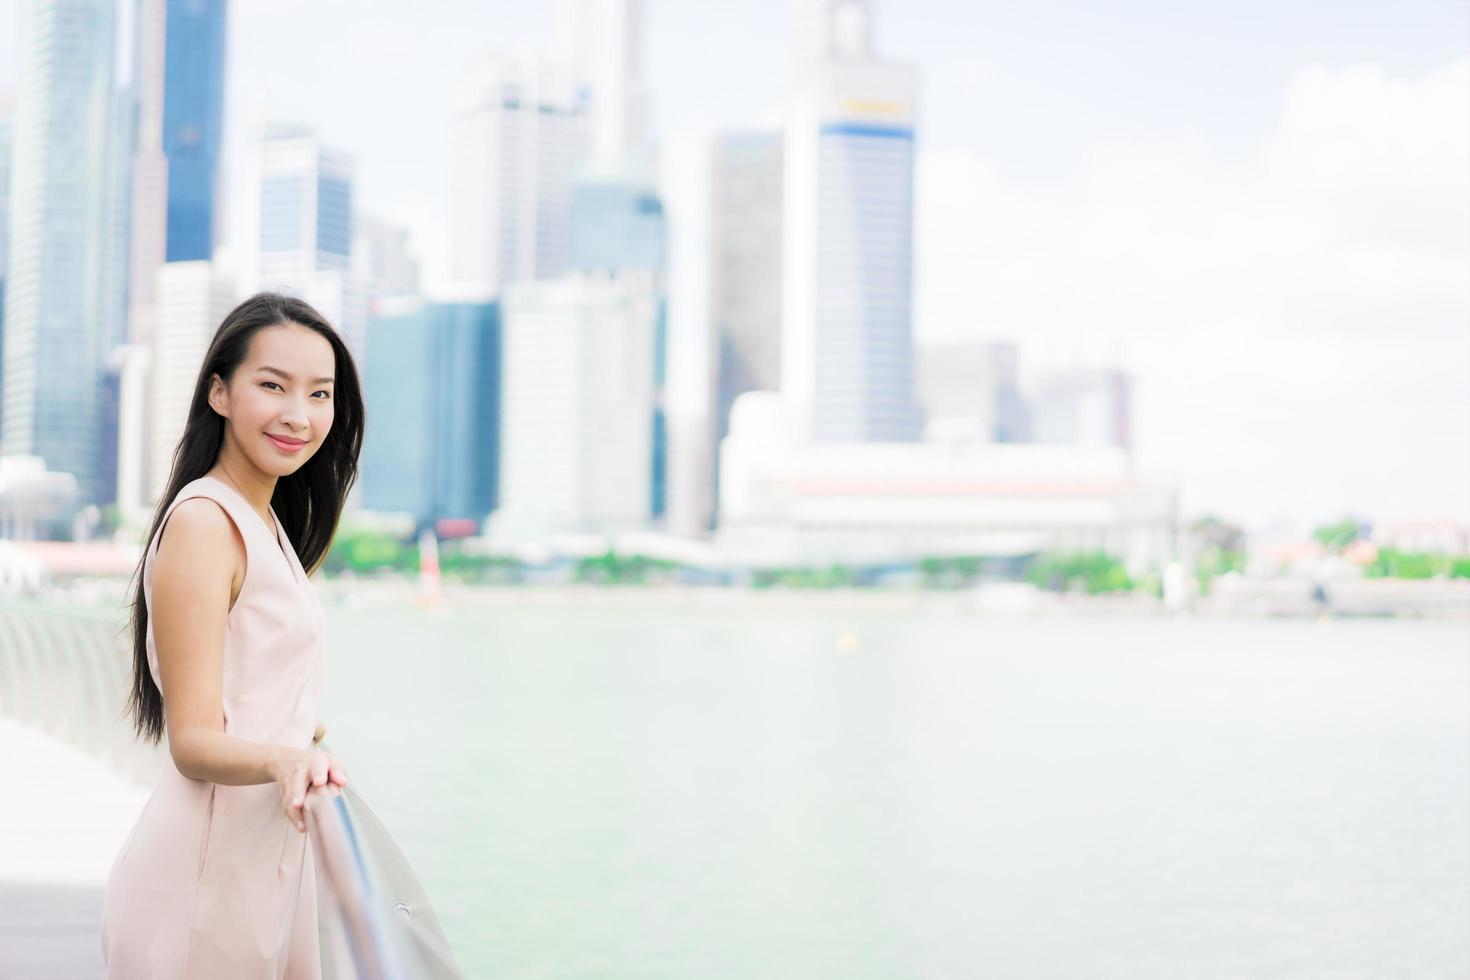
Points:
[(202, 539)]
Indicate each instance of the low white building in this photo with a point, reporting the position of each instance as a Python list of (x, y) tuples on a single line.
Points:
[(784, 502)]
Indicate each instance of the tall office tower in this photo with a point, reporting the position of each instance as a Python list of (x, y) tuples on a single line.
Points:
[(847, 347), (577, 393), (618, 228), (617, 224), (193, 124), (193, 297), (601, 42), (1082, 406), (382, 260), (518, 133), (618, 220), (432, 384), (130, 364), (5, 134), (61, 214), (179, 65), (745, 269), (305, 205), (306, 227), (115, 224)]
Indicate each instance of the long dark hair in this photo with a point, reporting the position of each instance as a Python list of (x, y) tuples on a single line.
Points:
[(308, 502)]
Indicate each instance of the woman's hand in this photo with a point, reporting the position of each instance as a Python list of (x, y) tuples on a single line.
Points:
[(298, 772)]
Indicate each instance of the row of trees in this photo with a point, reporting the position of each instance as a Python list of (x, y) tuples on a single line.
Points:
[(1218, 547)]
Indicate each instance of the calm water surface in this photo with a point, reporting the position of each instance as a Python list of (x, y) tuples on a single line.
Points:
[(735, 793)]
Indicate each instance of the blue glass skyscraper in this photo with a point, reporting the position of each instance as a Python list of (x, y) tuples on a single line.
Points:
[(616, 224), (60, 240), (432, 383), (193, 123)]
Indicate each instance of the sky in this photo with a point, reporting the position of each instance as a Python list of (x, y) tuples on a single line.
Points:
[(1260, 209)]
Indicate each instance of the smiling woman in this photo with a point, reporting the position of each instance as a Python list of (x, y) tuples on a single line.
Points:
[(215, 879)]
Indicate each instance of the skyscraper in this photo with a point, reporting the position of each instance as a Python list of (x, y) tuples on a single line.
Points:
[(5, 134), (306, 227), (618, 229), (617, 224), (847, 348), (745, 268), (193, 297), (518, 133), (62, 214), (305, 205), (179, 77), (601, 42), (578, 395), (193, 124), (432, 384), (382, 260)]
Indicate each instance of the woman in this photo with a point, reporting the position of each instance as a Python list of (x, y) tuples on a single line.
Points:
[(216, 880)]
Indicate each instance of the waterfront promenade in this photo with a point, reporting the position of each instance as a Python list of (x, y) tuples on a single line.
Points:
[(63, 815)]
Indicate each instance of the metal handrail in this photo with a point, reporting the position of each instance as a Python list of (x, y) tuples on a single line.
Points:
[(374, 919)]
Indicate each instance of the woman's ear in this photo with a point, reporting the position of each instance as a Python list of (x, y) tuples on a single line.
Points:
[(218, 396)]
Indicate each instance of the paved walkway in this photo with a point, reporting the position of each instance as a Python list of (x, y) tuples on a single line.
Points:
[(63, 816)]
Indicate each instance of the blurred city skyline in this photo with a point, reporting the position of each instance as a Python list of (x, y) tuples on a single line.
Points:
[(1260, 211)]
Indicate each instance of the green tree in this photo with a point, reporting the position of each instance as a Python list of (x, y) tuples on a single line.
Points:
[(1337, 536), (1094, 572)]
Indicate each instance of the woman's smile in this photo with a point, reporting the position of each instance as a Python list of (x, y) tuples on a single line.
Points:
[(287, 444)]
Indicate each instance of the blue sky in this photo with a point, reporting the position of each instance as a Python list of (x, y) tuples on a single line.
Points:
[(1261, 207)]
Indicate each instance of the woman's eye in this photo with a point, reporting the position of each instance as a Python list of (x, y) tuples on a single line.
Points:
[(328, 394), (271, 383)]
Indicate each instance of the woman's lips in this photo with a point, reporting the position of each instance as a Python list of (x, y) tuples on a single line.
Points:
[(285, 446)]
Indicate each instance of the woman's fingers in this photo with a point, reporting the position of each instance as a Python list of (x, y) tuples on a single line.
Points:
[(320, 765), (299, 779), (297, 809), (338, 775)]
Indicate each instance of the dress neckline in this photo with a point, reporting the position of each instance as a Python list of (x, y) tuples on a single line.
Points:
[(274, 528)]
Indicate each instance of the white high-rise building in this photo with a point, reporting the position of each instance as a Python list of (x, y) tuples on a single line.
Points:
[(5, 133), (600, 41), (150, 171), (847, 372), (134, 429), (518, 134), (382, 259), (192, 299), (745, 266), (63, 222), (306, 227), (577, 405)]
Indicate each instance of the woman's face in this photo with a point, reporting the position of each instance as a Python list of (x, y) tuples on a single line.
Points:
[(278, 404)]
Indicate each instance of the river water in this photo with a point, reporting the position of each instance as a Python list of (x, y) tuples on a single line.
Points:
[(667, 791)]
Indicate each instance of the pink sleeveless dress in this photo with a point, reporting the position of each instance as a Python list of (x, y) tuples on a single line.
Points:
[(214, 883)]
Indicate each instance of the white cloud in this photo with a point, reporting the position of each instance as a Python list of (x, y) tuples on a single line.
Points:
[(1298, 316)]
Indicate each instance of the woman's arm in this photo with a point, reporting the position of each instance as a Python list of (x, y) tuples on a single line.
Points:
[(199, 560), (200, 557)]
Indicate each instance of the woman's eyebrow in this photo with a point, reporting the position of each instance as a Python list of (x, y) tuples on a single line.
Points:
[(288, 377)]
